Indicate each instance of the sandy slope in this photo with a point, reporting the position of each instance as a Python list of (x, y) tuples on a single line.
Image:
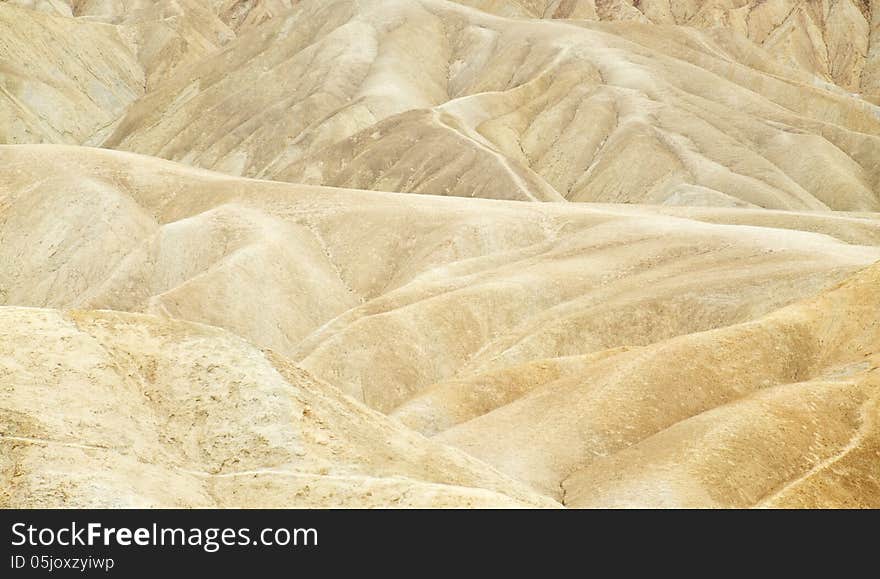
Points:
[(599, 253), (165, 413), (384, 294), (62, 80), (763, 412), (435, 97), (832, 39), (506, 108), (552, 341)]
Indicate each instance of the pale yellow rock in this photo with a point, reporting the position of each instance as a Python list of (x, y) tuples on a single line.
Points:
[(768, 412), (160, 413), (63, 80), (383, 295), (827, 38), (425, 253), (757, 105), (425, 97)]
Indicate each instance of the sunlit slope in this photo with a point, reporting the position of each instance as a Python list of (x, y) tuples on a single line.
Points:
[(62, 80), (440, 98), (564, 344), (434, 97), (833, 40), (779, 411), (385, 295), (102, 409), (69, 70)]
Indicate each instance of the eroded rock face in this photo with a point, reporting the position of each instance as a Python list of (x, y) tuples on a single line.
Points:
[(487, 326), (500, 253), (167, 413), (832, 40), (439, 98)]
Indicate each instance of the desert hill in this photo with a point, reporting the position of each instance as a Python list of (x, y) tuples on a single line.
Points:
[(496, 327), (485, 253), (754, 395), (832, 39), (170, 414), (437, 97)]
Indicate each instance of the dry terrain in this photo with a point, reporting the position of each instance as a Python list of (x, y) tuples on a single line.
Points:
[(424, 253)]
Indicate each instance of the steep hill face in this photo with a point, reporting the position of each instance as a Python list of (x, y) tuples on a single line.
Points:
[(384, 295), (832, 39), (560, 344), (439, 98), (62, 80), (727, 418), (169, 414), (591, 253), (431, 98)]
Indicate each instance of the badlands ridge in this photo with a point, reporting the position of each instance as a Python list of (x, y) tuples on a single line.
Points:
[(421, 253)]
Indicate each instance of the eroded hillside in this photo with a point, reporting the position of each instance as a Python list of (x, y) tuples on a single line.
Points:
[(435, 97), (487, 253)]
